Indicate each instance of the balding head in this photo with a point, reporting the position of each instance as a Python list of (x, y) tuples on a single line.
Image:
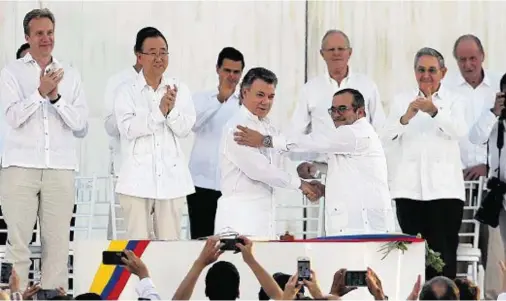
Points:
[(439, 288)]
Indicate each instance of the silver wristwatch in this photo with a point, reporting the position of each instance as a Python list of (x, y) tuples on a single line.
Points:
[(267, 142)]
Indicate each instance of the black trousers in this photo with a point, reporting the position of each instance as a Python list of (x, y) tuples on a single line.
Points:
[(202, 211), (438, 221)]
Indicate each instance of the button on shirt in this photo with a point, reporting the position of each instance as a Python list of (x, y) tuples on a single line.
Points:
[(40, 134), (427, 162), (212, 116), (154, 165), (475, 101), (110, 124)]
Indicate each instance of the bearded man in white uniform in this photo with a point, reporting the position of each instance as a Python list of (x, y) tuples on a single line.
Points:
[(248, 175), (357, 199)]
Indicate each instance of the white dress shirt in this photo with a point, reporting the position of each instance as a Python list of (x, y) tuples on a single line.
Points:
[(357, 198), (248, 176), (154, 165), (40, 134), (475, 101), (146, 289), (485, 131), (311, 111), (316, 98), (427, 164), (212, 116), (110, 124)]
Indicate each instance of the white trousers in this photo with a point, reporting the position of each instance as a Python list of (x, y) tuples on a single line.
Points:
[(141, 215), (21, 204)]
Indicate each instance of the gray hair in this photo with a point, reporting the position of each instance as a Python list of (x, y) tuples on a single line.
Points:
[(430, 52), (36, 14), (335, 31), (465, 38), (257, 73)]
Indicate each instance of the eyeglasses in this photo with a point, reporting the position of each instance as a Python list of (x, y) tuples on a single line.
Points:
[(340, 109), (422, 70), (163, 54)]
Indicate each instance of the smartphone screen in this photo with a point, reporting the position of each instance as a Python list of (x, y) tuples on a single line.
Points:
[(5, 272), (355, 278), (112, 257), (304, 269)]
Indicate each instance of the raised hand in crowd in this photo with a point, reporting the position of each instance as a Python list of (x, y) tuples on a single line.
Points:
[(209, 254), (338, 287), (265, 279), (292, 288), (168, 100), (49, 83), (313, 287), (135, 265), (500, 98), (30, 291), (374, 285), (417, 287)]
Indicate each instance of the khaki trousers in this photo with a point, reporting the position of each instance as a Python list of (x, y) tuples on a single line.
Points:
[(19, 191), (141, 215), (496, 252)]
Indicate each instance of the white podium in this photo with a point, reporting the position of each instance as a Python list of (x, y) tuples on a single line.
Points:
[(169, 261)]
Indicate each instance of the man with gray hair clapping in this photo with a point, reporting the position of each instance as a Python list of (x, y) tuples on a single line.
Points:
[(423, 130)]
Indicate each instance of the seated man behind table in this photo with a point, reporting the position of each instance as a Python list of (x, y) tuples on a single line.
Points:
[(358, 199), (248, 175)]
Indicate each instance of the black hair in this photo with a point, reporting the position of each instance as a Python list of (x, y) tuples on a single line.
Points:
[(145, 33)]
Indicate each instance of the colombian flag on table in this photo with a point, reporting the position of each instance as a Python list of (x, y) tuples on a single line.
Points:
[(110, 280)]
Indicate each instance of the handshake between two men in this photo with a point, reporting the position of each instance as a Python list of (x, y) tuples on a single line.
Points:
[(314, 189)]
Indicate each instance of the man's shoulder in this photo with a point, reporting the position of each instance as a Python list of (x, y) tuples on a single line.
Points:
[(204, 94), (316, 81), (363, 78)]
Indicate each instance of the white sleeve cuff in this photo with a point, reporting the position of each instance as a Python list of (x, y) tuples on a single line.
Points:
[(157, 116)]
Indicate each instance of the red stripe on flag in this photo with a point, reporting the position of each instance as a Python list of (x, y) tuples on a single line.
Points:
[(125, 275)]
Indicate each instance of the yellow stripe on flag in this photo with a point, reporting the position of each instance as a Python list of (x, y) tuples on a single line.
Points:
[(104, 272)]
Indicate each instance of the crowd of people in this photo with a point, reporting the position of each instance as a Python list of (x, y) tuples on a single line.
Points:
[(433, 139)]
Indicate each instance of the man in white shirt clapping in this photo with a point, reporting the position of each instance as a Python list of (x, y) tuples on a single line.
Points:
[(45, 109), (423, 131), (213, 108), (248, 175), (153, 112)]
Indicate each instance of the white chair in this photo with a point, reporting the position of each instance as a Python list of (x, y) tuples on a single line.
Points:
[(468, 251), (304, 220)]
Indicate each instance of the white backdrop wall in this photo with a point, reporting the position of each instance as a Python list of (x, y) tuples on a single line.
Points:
[(98, 38)]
